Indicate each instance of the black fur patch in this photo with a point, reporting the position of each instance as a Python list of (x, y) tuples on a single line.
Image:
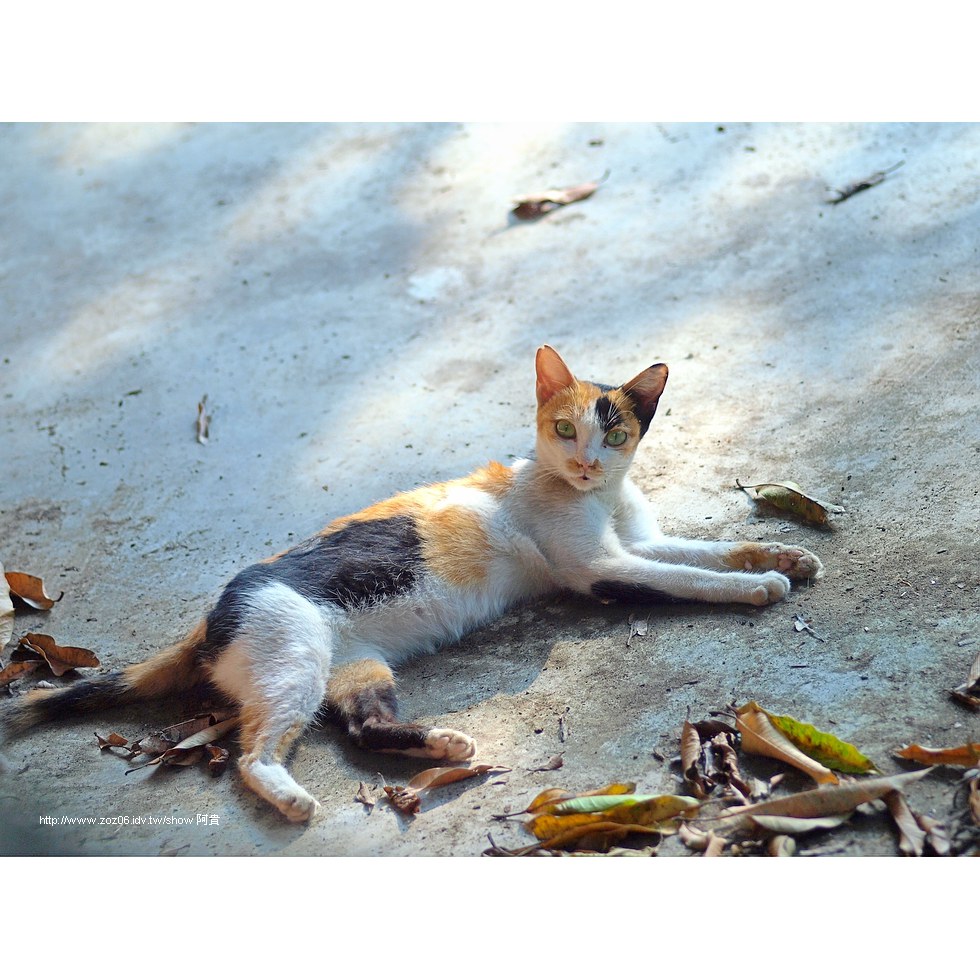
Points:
[(361, 564), (609, 416), (391, 736), (629, 592)]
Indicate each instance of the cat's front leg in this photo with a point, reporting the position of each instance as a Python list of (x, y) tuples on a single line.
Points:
[(743, 556), (633, 578)]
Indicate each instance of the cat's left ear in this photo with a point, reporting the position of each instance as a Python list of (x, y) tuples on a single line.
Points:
[(645, 391)]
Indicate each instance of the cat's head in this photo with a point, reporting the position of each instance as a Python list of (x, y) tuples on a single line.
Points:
[(588, 433)]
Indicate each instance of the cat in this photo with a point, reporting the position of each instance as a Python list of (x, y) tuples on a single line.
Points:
[(319, 626)]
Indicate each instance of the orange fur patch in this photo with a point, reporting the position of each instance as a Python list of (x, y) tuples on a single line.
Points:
[(348, 681), (748, 556), (455, 545), (168, 670)]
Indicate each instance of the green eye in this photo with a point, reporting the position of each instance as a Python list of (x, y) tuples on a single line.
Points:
[(616, 438), (565, 429)]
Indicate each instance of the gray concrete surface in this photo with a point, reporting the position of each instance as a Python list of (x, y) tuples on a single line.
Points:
[(363, 318)]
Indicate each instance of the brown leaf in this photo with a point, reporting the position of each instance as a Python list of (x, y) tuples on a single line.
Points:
[(962, 755), (975, 799), (535, 205), (218, 757), (167, 738), (969, 693), (30, 590), (444, 775), (781, 846), (404, 799), (827, 801), (911, 837), (364, 796), (691, 754), (555, 762), (40, 646), (190, 749), (114, 741), (14, 670)]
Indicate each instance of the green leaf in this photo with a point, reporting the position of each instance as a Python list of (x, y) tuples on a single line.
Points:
[(825, 748)]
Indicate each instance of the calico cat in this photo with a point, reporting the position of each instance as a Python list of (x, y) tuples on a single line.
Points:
[(319, 626)]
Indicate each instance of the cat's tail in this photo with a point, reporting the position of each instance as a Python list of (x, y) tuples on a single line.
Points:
[(172, 670)]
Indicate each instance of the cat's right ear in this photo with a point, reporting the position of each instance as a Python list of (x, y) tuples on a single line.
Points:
[(553, 374)]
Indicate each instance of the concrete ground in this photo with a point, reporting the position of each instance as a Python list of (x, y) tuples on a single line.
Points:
[(363, 317)]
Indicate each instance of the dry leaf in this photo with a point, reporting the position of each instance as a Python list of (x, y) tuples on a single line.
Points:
[(691, 755), (114, 741), (535, 205), (40, 646), (781, 846), (827, 801), (12, 671), (548, 799), (962, 755), (29, 589), (969, 693), (403, 799), (364, 796), (190, 749), (203, 421), (975, 800), (6, 611), (218, 757), (790, 498), (911, 837), (864, 184), (408, 799), (555, 762), (638, 627)]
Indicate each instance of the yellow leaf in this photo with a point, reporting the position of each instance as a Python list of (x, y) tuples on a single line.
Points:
[(788, 497)]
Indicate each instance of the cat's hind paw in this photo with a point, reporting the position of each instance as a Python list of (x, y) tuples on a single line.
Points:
[(444, 743)]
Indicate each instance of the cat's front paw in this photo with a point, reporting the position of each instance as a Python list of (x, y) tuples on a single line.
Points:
[(444, 743), (795, 563), (769, 587)]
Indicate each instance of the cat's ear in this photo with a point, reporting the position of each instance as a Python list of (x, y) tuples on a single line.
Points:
[(645, 391), (553, 374)]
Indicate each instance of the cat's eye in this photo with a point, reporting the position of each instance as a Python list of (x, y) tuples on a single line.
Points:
[(565, 429), (616, 438)]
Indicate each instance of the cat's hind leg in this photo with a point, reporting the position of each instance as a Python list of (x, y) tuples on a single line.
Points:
[(276, 668), (362, 696)]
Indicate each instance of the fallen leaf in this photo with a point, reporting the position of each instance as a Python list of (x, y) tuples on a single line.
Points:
[(40, 646), (203, 421), (191, 749), (364, 796), (969, 693), (536, 205), (691, 754), (975, 800), (911, 837), (800, 624), (827, 801), (823, 748), (29, 589), (167, 738), (761, 737), (407, 798), (6, 611), (962, 755), (403, 799), (14, 670), (778, 824), (562, 728), (114, 741), (638, 627), (587, 813), (790, 498), (555, 762), (218, 757), (546, 800), (864, 184)]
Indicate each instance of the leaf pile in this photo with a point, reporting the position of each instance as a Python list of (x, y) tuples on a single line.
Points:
[(41, 647), (183, 744)]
